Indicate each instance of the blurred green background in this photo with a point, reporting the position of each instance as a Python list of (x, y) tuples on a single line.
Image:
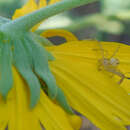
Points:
[(106, 20)]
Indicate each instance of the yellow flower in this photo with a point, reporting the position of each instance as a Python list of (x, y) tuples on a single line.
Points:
[(92, 91)]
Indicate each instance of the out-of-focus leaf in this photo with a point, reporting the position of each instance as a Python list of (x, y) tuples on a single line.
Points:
[(99, 21), (118, 8), (105, 24), (111, 7), (60, 20), (124, 15)]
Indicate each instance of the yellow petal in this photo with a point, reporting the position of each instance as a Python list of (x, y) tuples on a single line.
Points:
[(126, 86), (76, 121), (29, 7), (51, 115), (20, 115), (53, 1), (90, 91), (3, 114), (61, 33), (42, 3)]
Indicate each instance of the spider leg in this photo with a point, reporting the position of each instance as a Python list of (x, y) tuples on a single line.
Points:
[(121, 80), (115, 52)]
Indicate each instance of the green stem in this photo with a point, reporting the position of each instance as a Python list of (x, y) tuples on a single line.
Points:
[(3, 20), (28, 21)]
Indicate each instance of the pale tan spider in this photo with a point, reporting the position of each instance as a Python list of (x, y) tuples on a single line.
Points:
[(111, 64)]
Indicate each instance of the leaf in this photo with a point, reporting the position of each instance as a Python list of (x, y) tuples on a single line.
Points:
[(112, 7)]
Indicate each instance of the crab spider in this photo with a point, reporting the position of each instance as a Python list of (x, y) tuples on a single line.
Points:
[(111, 64)]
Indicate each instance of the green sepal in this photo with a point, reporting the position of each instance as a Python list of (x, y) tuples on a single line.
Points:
[(50, 56), (41, 68), (61, 99), (40, 65), (23, 64), (42, 40), (6, 80)]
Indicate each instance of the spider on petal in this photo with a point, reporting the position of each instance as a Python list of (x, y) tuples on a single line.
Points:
[(110, 64)]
